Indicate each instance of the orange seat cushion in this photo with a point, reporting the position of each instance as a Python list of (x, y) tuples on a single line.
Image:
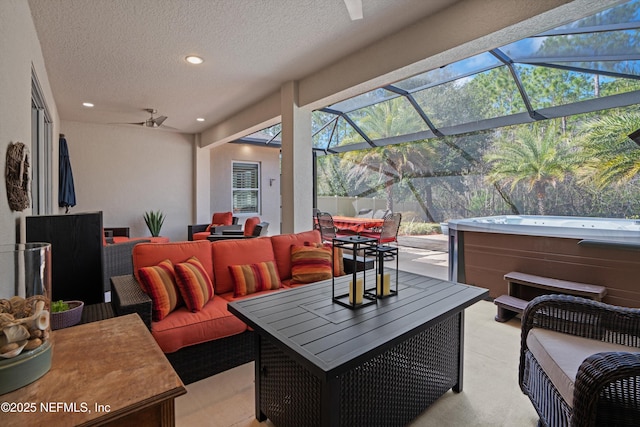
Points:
[(201, 235), (237, 252), (282, 249), (149, 254), (182, 328)]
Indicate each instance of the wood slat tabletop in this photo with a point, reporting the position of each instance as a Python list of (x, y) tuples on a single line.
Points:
[(329, 339)]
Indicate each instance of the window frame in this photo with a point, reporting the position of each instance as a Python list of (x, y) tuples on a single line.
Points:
[(258, 189)]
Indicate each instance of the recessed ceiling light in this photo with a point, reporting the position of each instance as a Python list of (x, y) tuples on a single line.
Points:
[(200, 119), (87, 104), (192, 59)]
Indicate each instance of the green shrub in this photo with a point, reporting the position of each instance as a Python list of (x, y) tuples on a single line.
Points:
[(419, 228)]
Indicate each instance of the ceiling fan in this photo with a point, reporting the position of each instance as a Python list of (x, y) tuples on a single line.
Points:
[(354, 7), (151, 122)]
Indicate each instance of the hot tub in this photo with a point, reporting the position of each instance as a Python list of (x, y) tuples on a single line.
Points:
[(599, 251)]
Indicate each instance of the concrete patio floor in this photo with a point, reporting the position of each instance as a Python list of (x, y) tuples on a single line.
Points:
[(490, 397)]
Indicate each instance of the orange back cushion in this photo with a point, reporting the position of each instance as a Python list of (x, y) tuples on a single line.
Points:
[(237, 252), (150, 254), (282, 249), (222, 218), (250, 224)]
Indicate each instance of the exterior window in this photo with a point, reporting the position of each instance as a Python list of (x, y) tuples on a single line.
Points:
[(246, 188)]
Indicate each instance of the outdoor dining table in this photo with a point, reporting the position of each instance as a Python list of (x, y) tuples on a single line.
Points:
[(356, 224)]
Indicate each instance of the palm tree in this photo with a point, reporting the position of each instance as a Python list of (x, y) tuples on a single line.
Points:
[(612, 157), (533, 159), (391, 118)]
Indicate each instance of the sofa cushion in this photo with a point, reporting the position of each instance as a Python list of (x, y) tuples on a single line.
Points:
[(201, 235), (338, 257), (237, 252), (220, 218), (182, 328), (282, 249), (148, 254), (194, 284), (252, 278), (560, 355), (159, 283), (310, 264)]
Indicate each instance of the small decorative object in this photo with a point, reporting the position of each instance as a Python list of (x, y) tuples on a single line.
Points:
[(385, 278), (18, 177), (65, 313), (154, 221), (358, 295), (25, 330)]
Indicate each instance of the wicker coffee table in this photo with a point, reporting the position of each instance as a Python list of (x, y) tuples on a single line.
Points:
[(319, 363)]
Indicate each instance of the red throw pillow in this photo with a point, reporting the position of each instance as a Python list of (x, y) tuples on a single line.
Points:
[(194, 284), (310, 264), (251, 278), (160, 284), (338, 259)]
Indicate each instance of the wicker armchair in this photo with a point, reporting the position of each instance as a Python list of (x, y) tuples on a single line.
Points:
[(606, 387), (117, 260)]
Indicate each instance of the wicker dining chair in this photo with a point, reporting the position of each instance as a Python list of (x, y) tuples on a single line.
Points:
[(328, 230), (580, 361)]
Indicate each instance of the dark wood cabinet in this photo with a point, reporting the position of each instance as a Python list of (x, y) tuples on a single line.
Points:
[(76, 253)]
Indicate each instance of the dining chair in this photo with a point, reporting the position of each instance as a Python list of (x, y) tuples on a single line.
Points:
[(328, 230), (389, 231)]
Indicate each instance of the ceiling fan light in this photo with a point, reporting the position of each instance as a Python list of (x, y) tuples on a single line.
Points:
[(200, 119), (192, 59), (87, 104)]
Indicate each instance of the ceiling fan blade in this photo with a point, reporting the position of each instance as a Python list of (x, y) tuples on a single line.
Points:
[(160, 120), (354, 7)]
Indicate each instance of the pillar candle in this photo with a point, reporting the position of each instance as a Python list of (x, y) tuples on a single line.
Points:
[(386, 286), (359, 291), (383, 287)]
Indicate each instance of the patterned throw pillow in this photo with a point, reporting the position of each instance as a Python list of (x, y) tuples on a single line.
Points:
[(310, 264), (251, 278), (194, 284), (160, 284), (338, 260)]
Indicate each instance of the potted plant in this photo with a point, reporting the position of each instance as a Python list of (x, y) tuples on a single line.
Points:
[(65, 313), (154, 221)]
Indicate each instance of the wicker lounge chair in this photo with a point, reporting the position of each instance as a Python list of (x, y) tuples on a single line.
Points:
[(565, 389)]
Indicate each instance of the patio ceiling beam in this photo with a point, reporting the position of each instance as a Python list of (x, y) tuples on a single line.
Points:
[(516, 77), (590, 29)]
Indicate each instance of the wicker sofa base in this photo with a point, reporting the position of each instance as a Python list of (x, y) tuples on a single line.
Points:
[(389, 389), (200, 361)]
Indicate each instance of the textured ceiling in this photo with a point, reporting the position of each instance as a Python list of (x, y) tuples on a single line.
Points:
[(128, 55)]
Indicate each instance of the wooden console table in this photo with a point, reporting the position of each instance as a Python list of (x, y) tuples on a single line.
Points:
[(110, 372)]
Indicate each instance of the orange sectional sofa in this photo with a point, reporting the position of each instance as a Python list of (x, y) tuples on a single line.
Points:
[(202, 343)]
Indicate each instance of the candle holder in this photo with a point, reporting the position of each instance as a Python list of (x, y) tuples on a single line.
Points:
[(358, 295), (384, 279)]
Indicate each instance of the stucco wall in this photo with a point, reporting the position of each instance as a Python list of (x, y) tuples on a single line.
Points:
[(126, 170), (269, 158), (20, 50)]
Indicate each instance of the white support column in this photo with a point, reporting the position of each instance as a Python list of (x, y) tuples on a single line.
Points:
[(296, 185)]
